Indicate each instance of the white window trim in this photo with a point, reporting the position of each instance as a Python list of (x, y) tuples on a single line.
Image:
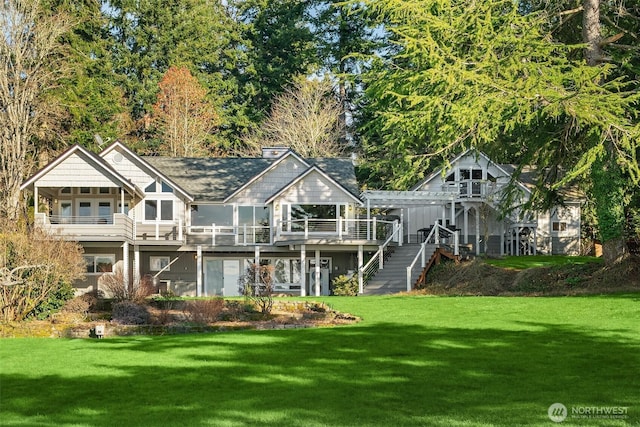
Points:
[(96, 273), (157, 263)]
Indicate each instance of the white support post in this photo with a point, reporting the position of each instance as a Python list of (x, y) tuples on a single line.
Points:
[(317, 274), (303, 271), (35, 200), (136, 265), (256, 260), (121, 200), (518, 241), (180, 236), (306, 227), (502, 238), (340, 227), (157, 228), (423, 255), (375, 229), (360, 272), (199, 284), (452, 214), (244, 233), (477, 215), (465, 228), (213, 234), (535, 240), (125, 263), (401, 231), (368, 219), (408, 278), (381, 256), (456, 243)]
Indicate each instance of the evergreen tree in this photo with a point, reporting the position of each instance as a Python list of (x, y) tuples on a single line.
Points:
[(474, 73)]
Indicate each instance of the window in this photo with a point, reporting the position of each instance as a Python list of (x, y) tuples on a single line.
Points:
[(97, 264), (65, 190), (205, 215), (105, 190), (85, 190), (157, 263), (158, 209), (166, 188), (559, 226), (153, 187)]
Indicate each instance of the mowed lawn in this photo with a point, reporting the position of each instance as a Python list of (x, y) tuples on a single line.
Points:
[(412, 361)]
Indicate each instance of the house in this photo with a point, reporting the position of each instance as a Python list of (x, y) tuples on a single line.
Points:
[(466, 196), (194, 226)]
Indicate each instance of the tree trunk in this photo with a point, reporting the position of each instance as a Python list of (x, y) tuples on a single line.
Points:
[(591, 32)]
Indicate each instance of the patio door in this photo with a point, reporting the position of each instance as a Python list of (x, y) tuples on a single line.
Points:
[(221, 277)]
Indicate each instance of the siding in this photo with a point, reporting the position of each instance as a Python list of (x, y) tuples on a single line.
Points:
[(68, 172)]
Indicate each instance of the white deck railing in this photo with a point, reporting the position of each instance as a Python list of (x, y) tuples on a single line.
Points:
[(377, 260)]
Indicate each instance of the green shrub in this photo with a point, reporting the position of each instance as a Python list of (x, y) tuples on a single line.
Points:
[(344, 285)]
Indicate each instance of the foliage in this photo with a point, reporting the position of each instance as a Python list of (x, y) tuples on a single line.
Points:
[(257, 286), (205, 311), (306, 117), (36, 272), (469, 74), (31, 64), (344, 285), (130, 313), (183, 115)]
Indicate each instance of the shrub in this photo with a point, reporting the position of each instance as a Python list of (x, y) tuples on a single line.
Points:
[(257, 286), (345, 285), (36, 272), (203, 312), (118, 289), (130, 313), (80, 305)]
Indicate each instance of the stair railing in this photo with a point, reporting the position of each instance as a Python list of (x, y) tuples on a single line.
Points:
[(377, 260), (420, 255)]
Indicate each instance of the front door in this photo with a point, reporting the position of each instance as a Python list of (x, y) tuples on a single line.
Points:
[(221, 277)]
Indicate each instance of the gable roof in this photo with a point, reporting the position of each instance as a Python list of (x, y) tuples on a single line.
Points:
[(96, 161), (217, 179), (300, 177), (145, 165), (471, 151)]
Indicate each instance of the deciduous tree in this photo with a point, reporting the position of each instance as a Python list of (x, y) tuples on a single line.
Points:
[(31, 64), (184, 117), (306, 118)]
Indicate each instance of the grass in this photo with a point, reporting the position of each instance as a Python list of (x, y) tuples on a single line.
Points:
[(412, 361), (530, 261)]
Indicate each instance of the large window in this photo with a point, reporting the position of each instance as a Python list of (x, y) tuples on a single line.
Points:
[(97, 264), (285, 270), (158, 209), (205, 215), (320, 217)]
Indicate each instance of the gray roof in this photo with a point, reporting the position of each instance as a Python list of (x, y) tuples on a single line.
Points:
[(214, 179)]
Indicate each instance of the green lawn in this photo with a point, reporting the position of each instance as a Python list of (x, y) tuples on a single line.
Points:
[(412, 361), (530, 261)]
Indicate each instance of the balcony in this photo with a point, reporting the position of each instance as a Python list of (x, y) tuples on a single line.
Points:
[(118, 227), (300, 231), (473, 188)]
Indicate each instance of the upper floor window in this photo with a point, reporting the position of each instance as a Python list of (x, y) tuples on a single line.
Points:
[(158, 210), (158, 187), (559, 226)]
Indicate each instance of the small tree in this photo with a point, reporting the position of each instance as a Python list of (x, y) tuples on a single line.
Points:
[(257, 286), (36, 272)]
